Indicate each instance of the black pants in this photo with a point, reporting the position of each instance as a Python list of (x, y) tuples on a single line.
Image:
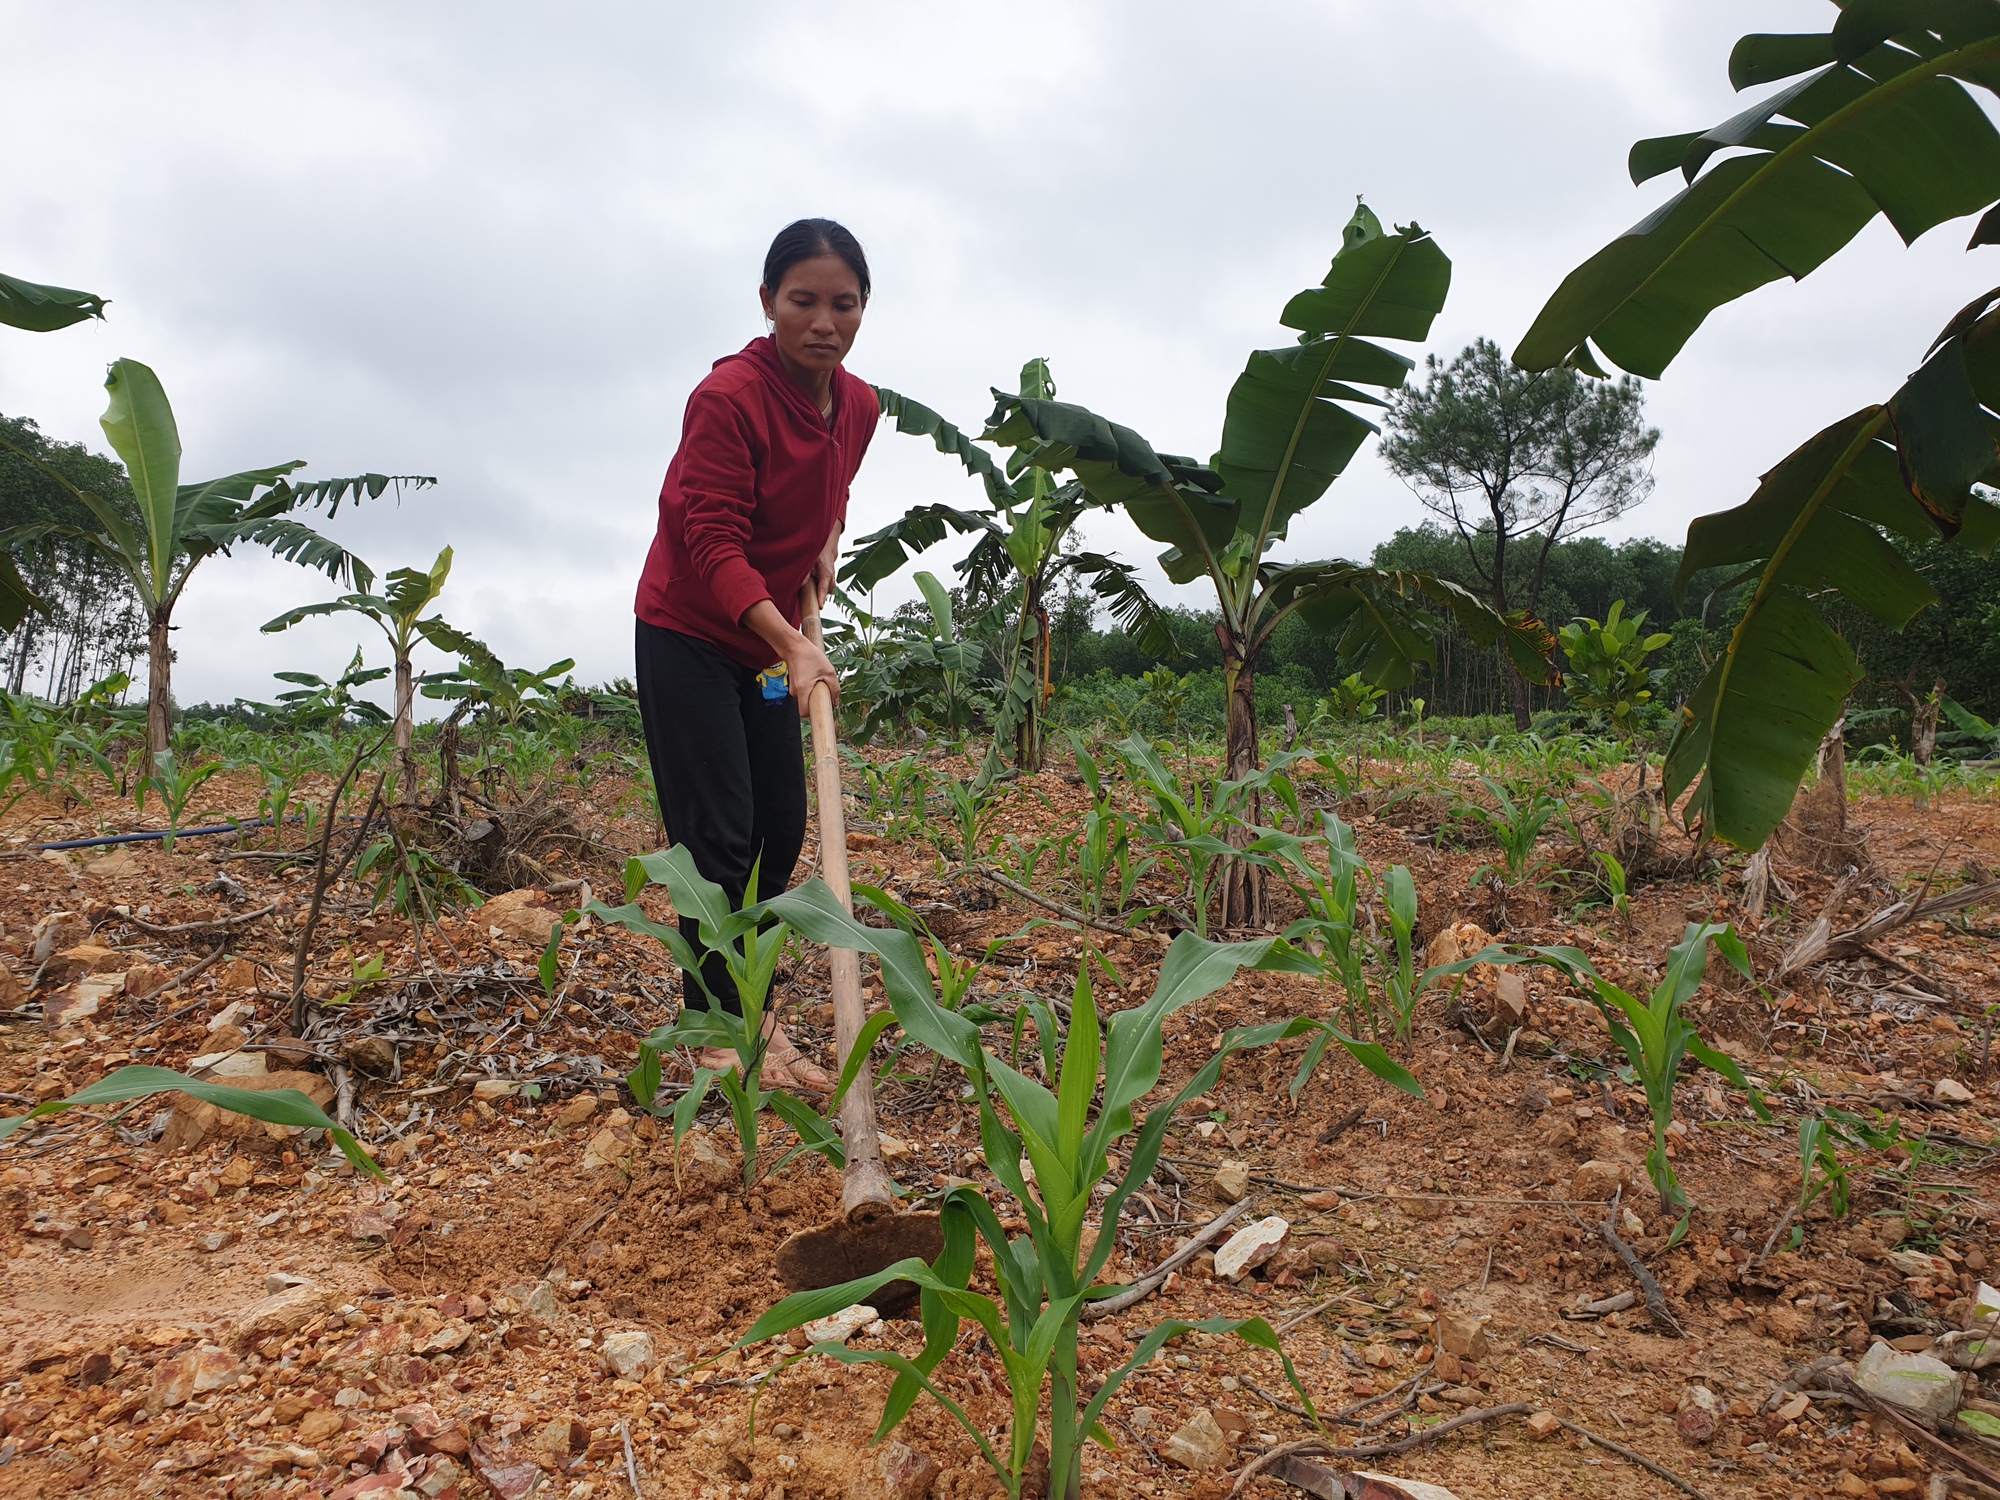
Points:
[(730, 771)]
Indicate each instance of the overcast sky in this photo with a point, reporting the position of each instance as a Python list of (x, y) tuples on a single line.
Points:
[(499, 243)]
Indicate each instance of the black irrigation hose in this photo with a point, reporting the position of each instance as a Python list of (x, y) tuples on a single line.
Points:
[(142, 838)]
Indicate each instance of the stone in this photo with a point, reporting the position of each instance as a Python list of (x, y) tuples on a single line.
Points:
[(76, 1237), (1510, 997), (315, 1427), (115, 865), (1394, 1487), (1951, 1091), (236, 1175), (233, 1066), (1200, 1445), (1460, 940), (1325, 1255), (1917, 1383), (612, 1146), (489, 1089), (627, 1353), (1231, 1181), (444, 1475), (505, 1477), (896, 1471), (276, 1282), (195, 1123), (704, 1168), (371, 1346), (556, 1439), (214, 1240), (1464, 1334), (1597, 1180), (81, 1000), (574, 1113), (54, 933), (446, 1340), (1696, 1415), (838, 1328), (526, 916), (373, 1055), (1543, 1425), (84, 958), (176, 1381), (1250, 1247), (1916, 1263)]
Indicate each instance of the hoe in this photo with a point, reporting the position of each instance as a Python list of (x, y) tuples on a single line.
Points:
[(870, 1233)]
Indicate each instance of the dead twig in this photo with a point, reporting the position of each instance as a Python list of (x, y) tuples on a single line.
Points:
[(1632, 1455), (323, 876), (219, 924), (631, 1463), (1820, 946), (1320, 1448), (1151, 1282), (1341, 1126), (1061, 908), (1656, 1299), (1765, 1254)]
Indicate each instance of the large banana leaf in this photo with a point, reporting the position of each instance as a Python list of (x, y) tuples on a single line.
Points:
[(881, 553), (1883, 124), (16, 598), (1285, 437), (139, 421), (43, 309), (916, 418), (1169, 498), (1821, 520)]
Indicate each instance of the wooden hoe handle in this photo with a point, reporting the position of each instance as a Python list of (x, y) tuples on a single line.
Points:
[(867, 1192)]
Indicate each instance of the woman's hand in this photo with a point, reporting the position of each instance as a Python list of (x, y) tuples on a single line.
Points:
[(805, 663)]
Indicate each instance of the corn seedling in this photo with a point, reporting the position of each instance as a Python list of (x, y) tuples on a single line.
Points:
[(1655, 1034), (1516, 826), (1821, 1171), (1045, 1277), (176, 787), (750, 947), (274, 1106)]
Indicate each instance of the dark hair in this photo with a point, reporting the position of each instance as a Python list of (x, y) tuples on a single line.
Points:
[(806, 239)]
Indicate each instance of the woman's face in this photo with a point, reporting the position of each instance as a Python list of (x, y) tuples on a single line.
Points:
[(815, 313)]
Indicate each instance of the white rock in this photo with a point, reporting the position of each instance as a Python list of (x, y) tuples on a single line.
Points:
[(495, 1088), (1915, 1382), (282, 1281), (1395, 1484), (233, 1014), (1984, 1310), (1951, 1091), (838, 1328), (1250, 1247), (627, 1354), (1919, 1263), (1200, 1445)]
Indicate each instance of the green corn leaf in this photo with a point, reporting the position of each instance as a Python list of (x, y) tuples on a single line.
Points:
[(274, 1107)]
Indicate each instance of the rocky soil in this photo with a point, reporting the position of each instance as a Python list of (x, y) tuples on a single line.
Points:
[(540, 1297)]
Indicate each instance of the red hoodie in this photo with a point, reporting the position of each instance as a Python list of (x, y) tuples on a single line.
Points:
[(753, 493)]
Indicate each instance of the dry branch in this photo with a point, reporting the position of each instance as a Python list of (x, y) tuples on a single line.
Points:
[(1154, 1279)]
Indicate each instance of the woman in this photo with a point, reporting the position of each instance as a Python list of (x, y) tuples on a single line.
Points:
[(752, 510)]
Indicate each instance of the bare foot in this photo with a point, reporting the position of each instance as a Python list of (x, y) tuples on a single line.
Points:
[(785, 1066)]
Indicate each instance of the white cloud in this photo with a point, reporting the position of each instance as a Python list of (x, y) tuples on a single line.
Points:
[(498, 243)]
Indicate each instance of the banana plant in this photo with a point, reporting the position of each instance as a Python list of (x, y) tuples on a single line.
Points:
[(1024, 541), (398, 613), (182, 525), (1288, 432), (482, 680), (1880, 117), (315, 703)]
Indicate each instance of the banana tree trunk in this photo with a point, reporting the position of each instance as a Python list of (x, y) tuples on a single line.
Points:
[(159, 686), (405, 691), (1245, 901), (1924, 724), (1033, 637), (1517, 692)]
